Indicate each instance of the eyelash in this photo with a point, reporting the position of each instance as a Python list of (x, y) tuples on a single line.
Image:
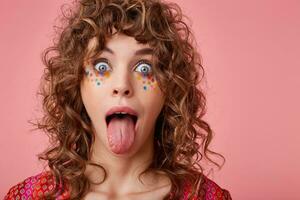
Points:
[(138, 63)]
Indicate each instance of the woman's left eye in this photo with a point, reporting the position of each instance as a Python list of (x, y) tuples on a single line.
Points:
[(144, 67)]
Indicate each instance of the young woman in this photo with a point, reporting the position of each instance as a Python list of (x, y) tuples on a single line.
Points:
[(123, 109)]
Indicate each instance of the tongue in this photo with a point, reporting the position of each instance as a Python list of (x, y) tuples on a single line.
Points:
[(120, 133)]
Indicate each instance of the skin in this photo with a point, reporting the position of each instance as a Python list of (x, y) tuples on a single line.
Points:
[(123, 83)]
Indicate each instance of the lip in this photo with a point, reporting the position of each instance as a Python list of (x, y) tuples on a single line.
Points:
[(126, 109)]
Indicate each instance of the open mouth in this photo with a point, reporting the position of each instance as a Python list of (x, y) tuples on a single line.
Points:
[(120, 116)]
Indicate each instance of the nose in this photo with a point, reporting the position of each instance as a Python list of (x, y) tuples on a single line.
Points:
[(122, 86)]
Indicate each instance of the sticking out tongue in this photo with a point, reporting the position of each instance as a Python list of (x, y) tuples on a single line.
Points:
[(121, 133)]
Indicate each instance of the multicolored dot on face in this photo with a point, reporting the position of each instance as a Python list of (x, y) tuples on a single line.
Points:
[(97, 77), (90, 74), (103, 75), (149, 82)]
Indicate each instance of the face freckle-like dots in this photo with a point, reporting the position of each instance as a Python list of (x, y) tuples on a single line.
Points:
[(93, 77), (147, 80), (106, 74), (103, 74)]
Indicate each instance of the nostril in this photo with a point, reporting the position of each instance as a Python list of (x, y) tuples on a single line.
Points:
[(126, 92)]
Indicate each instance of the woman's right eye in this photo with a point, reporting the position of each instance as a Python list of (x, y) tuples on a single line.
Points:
[(101, 66)]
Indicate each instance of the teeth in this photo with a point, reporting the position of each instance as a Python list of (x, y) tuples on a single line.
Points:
[(121, 113)]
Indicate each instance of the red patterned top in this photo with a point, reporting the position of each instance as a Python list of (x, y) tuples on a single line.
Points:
[(34, 187)]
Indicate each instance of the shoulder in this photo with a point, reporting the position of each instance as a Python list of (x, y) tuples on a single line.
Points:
[(208, 190), (33, 187)]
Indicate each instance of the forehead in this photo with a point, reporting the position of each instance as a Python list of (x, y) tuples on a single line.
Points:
[(121, 45)]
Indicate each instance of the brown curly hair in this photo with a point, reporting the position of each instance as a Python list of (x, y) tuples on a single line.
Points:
[(182, 137)]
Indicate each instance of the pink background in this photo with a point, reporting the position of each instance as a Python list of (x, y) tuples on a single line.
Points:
[(251, 54)]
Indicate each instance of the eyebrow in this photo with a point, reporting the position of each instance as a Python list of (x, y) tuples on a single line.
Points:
[(144, 51)]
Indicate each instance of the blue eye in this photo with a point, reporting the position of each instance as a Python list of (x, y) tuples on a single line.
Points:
[(101, 65), (145, 67)]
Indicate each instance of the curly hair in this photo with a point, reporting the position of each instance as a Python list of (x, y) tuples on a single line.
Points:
[(182, 137)]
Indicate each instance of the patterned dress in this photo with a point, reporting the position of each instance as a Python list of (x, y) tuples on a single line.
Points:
[(34, 187)]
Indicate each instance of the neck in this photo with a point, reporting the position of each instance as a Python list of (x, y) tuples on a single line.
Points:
[(122, 171)]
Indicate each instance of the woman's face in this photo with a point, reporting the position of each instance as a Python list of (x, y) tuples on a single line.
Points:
[(122, 75)]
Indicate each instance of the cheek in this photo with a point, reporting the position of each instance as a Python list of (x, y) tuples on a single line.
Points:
[(148, 83), (96, 77)]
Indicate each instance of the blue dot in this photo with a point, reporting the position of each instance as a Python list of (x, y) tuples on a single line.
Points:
[(98, 83), (145, 88), (101, 73)]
